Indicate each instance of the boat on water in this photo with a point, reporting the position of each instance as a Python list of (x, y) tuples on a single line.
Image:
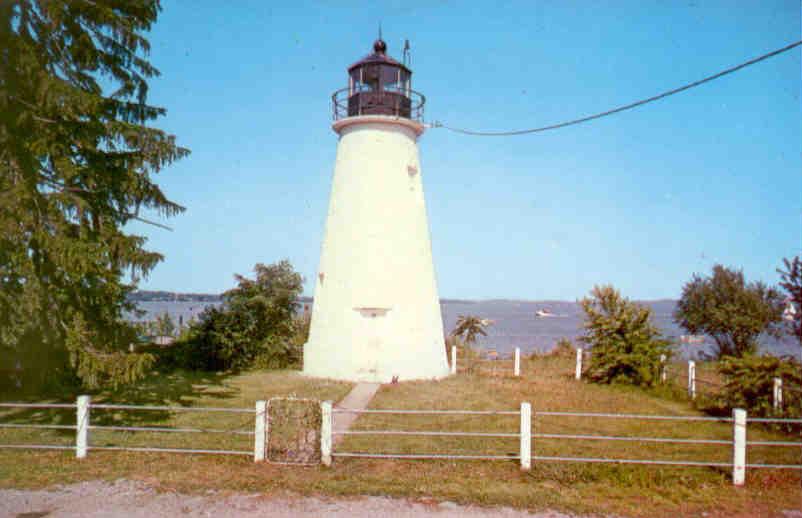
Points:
[(692, 339), (544, 313), (790, 311)]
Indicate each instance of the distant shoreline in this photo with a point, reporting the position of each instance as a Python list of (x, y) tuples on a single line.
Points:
[(174, 296)]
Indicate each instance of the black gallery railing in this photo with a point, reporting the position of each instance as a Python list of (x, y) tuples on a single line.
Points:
[(394, 102)]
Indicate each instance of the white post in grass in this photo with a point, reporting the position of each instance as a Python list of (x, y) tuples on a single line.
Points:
[(692, 379), (578, 373), (259, 436), (662, 368), (516, 370), (777, 400), (325, 433), (738, 446), (453, 359), (82, 427), (526, 436)]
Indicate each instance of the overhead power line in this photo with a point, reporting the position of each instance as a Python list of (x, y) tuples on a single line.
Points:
[(635, 104)]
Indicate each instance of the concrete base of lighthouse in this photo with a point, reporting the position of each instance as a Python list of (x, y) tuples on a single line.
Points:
[(376, 313)]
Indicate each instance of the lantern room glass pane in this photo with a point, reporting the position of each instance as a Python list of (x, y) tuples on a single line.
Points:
[(390, 78), (370, 77), (406, 84), (354, 84)]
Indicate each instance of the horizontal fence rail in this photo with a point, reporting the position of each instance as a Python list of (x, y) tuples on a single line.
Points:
[(524, 433), (774, 443), (775, 420), (170, 450), (497, 361), (42, 426), (157, 429), (637, 416), (425, 412), (36, 447), (632, 461), (425, 456), (83, 425), (423, 432), (738, 442), (774, 466), (628, 438), (37, 405), (105, 406)]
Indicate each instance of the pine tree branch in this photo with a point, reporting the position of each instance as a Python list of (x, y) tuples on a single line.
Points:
[(64, 188)]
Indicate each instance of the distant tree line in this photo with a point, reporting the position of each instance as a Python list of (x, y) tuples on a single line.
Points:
[(169, 296)]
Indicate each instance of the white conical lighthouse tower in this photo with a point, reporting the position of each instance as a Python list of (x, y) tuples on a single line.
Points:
[(376, 313)]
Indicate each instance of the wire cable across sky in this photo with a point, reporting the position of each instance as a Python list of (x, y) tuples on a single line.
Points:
[(635, 104)]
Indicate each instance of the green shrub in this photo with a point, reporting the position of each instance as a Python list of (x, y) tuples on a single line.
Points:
[(285, 352), (255, 326), (626, 347), (749, 384)]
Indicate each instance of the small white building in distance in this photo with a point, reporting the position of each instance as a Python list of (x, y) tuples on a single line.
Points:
[(376, 313)]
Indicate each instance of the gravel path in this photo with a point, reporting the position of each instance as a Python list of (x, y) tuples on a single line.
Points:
[(124, 498)]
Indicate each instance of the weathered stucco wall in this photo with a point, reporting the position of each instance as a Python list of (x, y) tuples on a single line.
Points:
[(376, 313)]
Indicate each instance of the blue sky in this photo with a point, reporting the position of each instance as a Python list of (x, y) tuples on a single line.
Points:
[(641, 200)]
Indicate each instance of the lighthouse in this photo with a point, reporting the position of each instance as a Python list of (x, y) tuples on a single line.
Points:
[(376, 312)]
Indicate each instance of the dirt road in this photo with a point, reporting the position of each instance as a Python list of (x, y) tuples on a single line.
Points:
[(124, 498)]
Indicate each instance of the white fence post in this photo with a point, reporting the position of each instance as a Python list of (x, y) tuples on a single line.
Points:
[(325, 433), (453, 359), (662, 368), (259, 436), (692, 379), (578, 373), (517, 367), (526, 436), (777, 400), (82, 427), (738, 446)]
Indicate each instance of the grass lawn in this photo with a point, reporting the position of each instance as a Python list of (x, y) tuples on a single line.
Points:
[(546, 383)]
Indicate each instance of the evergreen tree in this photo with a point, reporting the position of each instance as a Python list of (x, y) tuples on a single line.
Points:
[(76, 164)]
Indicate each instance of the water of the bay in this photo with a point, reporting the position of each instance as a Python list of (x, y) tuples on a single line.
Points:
[(515, 324)]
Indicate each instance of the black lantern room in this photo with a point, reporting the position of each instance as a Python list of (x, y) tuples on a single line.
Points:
[(378, 85)]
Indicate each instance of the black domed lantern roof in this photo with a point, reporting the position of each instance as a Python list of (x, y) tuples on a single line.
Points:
[(378, 85), (379, 57)]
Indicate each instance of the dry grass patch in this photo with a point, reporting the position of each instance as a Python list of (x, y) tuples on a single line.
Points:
[(547, 383), (185, 389)]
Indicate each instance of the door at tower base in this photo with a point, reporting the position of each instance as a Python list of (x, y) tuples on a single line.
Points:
[(376, 312)]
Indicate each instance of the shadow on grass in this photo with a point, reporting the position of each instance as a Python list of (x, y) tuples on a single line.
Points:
[(175, 388)]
